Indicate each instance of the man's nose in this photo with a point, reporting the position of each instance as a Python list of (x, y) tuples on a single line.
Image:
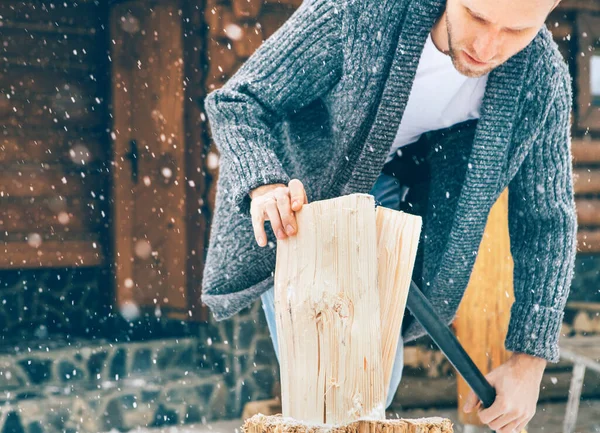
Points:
[(486, 45)]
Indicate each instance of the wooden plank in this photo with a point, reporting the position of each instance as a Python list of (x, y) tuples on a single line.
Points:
[(588, 212), (39, 146), (196, 144), (586, 181), (397, 241), (588, 241), (23, 255), (169, 128), (18, 80), (482, 320), (329, 344), (50, 215), (52, 111), (48, 27), (150, 231), (64, 15), (50, 46), (581, 305), (123, 188), (29, 181), (46, 63), (586, 151), (245, 9)]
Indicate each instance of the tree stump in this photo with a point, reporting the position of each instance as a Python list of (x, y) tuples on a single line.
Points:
[(279, 424)]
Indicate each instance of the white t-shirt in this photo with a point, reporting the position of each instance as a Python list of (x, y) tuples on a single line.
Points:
[(440, 97)]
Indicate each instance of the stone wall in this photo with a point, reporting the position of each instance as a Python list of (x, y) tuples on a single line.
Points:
[(67, 363)]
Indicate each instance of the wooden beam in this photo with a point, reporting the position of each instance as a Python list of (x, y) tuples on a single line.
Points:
[(586, 151), (588, 212), (482, 320), (586, 306), (48, 254), (52, 180), (588, 241), (149, 153), (586, 181), (71, 214)]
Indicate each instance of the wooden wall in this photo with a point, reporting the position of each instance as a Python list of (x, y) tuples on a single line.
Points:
[(54, 148), (566, 26)]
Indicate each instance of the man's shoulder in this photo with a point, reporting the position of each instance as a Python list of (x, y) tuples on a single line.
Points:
[(548, 67)]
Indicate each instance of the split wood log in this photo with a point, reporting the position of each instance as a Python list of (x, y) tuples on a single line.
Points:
[(335, 360), (397, 242), (329, 344), (279, 424)]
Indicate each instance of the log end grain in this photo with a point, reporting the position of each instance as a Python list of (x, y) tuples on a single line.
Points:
[(278, 424)]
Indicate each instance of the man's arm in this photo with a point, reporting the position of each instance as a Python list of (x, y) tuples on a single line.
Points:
[(543, 235), (297, 64), (543, 229)]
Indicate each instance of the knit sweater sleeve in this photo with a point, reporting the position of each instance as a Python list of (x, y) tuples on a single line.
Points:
[(543, 235), (297, 64)]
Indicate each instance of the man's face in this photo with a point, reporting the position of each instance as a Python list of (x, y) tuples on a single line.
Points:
[(483, 34)]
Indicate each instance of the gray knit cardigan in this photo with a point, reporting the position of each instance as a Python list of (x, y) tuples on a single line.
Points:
[(321, 100)]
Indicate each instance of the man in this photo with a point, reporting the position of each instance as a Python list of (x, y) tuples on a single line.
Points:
[(329, 103)]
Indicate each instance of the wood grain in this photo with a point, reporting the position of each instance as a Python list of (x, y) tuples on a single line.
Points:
[(329, 342), (482, 320), (397, 242)]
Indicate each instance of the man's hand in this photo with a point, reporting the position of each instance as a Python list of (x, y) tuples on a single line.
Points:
[(276, 203), (517, 384)]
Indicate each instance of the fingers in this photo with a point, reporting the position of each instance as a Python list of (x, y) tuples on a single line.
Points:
[(508, 428), (297, 194), (470, 402), (288, 220), (258, 223), (275, 206), (501, 424), (272, 211), (499, 408), (505, 418), (521, 427), (516, 425)]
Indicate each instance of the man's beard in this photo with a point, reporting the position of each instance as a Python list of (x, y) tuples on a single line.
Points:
[(461, 67)]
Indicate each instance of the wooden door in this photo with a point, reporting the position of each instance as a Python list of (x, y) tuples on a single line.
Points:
[(149, 157), (53, 145)]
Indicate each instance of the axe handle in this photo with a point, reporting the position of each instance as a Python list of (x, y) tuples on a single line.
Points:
[(440, 333)]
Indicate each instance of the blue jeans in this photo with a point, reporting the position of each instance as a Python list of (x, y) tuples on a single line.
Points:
[(388, 193)]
